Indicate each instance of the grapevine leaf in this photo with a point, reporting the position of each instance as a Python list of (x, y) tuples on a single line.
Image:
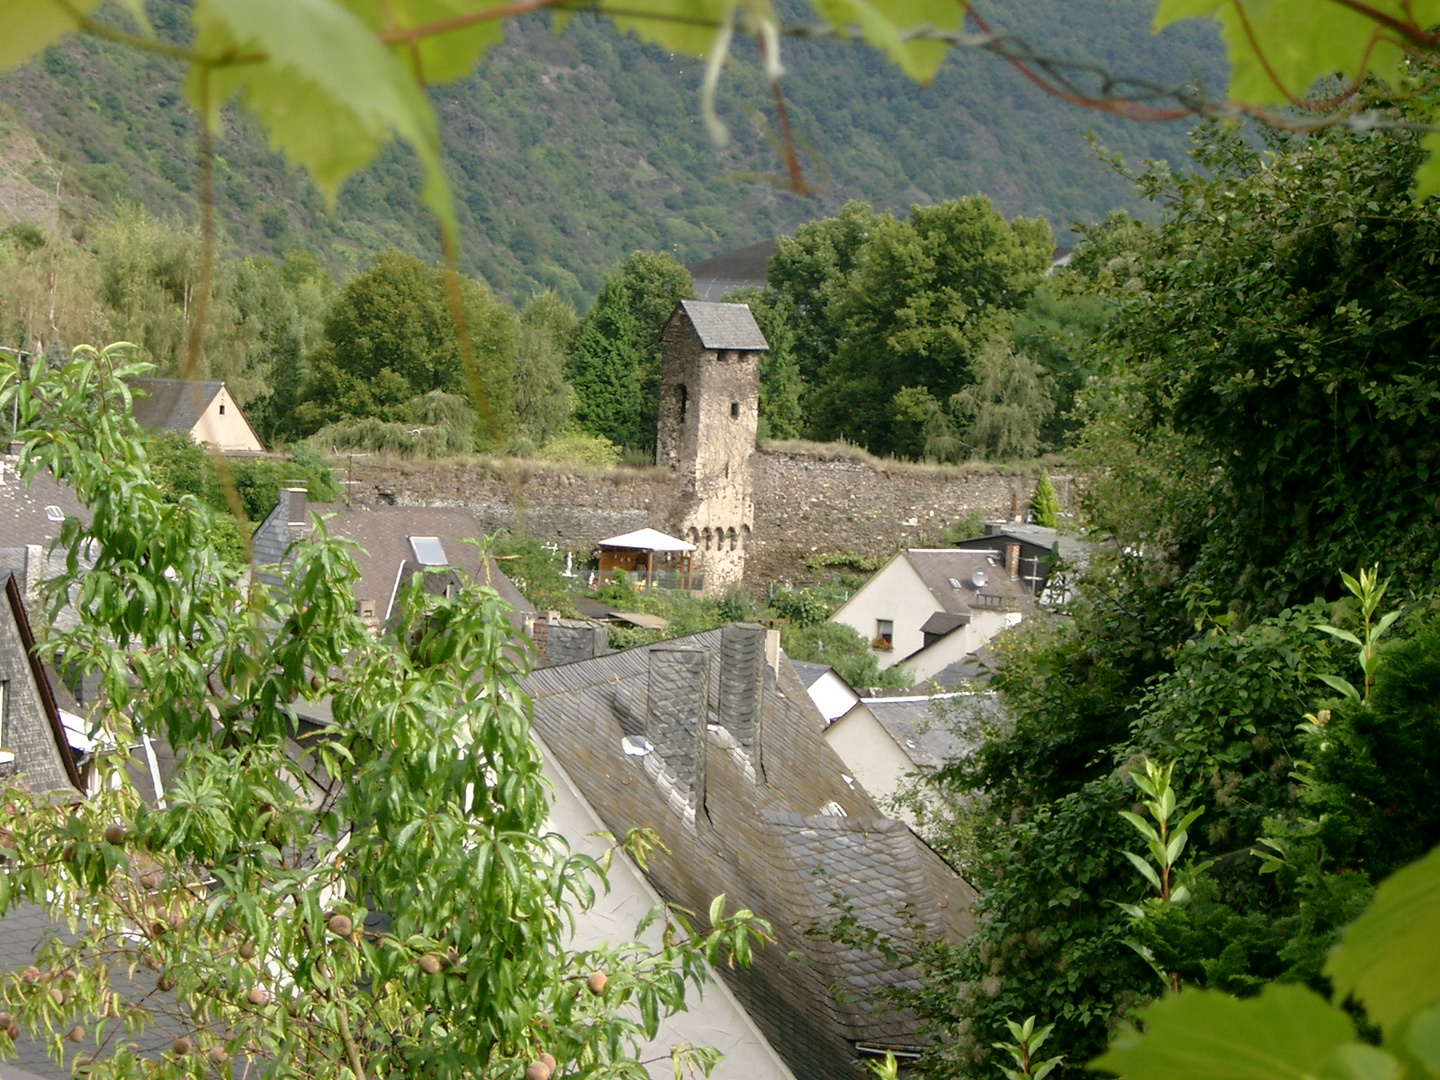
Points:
[(1387, 957), (1287, 1033), (322, 85), (687, 26), (883, 24), (28, 26), (1422, 1038), (451, 54), (1356, 1061)]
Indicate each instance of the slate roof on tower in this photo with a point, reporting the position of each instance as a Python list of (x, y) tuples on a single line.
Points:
[(725, 326)]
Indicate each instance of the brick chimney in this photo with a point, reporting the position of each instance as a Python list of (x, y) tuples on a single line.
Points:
[(677, 714), (742, 685), (1012, 559)]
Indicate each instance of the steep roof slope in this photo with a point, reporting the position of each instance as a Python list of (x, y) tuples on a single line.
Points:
[(172, 404)]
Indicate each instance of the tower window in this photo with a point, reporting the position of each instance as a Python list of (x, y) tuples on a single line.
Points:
[(684, 401), (734, 410)]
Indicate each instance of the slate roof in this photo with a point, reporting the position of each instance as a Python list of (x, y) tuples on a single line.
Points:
[(172, 404), (781, 839), (725, 326), (937, 567), (924, 727), (1037, 535), (809, 673), (942, 622), (23, 517), (383, 535)]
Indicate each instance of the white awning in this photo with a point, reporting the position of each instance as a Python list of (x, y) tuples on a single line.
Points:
[(647, 540)]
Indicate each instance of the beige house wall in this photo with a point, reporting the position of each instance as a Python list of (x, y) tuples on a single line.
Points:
[(870, 754), (896, 593), (959, 643), (223, 426)]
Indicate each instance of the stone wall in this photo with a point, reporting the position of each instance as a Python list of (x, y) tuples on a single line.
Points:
[(804, 504)]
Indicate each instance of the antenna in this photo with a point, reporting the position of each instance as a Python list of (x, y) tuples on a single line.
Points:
[(979, 576)]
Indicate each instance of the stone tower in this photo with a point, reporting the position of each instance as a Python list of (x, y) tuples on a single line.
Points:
[(709, 408)]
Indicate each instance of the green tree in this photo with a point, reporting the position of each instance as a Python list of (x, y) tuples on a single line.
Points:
[(615, 362), (438, 827), (389, 340), (1002, 411), (924, 296), (781, 386), (544, 401), (1045, 505)]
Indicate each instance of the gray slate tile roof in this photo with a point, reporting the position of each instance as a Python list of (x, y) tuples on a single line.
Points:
[(938, 567), (23, 508), (930, 731), (171, 404), (772, 839), (1037, 535), (809, 673), (725, 326)]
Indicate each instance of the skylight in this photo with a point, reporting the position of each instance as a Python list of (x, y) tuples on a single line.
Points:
[(54, 513), (428, 551)]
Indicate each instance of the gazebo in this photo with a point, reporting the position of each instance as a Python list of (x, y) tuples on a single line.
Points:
[(634, 553)]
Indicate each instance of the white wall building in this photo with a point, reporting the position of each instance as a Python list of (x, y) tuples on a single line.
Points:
[(930, 607)]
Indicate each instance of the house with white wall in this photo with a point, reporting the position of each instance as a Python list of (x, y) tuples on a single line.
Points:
[(930, 607)]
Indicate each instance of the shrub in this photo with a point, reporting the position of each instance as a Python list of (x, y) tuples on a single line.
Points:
[(1045, 506), (578, 449)]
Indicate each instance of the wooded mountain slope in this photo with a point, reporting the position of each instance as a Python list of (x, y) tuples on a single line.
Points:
[(568, 151)]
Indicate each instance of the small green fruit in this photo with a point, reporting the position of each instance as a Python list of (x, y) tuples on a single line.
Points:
[(340, 925)]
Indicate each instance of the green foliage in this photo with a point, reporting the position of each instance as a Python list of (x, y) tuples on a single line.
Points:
[(181, 468), (190, 648), (390, 339), (1384, 961), (1022, 1050), (535, 570), (918, 300), (1003, 411), (615, 362), (544, 401), (824, 560), (574, 448), (1298, 425), (845, 650), (1044, 504), (802, 608)]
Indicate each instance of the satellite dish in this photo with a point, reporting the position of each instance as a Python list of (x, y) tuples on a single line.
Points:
[(979, 576)]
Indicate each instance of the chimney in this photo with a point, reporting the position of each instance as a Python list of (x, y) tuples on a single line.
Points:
[(292, 503), (1016, 514), (568, 640), (34, 572), (995, 528), (677, 714), (742, 685), (1012, 560)]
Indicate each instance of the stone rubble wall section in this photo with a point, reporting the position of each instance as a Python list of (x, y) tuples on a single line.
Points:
[(804, 505)]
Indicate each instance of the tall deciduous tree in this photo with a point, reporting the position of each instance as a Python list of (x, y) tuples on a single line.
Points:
[(781, 385), (390, 339), (921, 298), (544, 401)]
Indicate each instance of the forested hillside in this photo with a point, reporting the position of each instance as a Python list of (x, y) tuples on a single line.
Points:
[(569, 151)]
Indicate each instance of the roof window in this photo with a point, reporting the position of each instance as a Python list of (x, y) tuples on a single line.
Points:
[(428, 551)]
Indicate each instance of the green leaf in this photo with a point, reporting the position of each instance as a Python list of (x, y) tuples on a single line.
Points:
[(1286, 1033), (1144, 867), (1335, 682), (327, 91), (1356, 1061), (442, 57), (1422, 1038), (1141, 826), (1343, 635), (1387, 957), (28, 26), (883, 25)]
